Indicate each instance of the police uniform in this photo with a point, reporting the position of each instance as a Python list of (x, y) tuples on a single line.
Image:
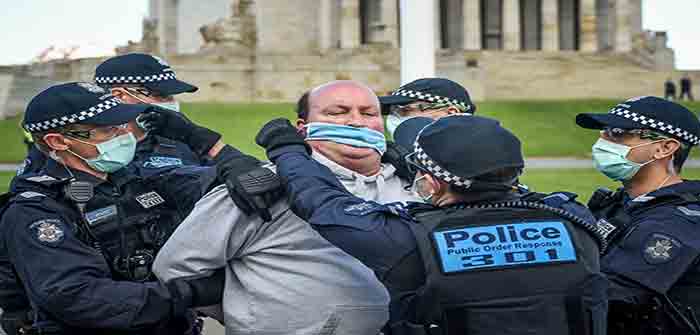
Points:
[(76, 260), (654, 240), (454, 288), (153, 153)]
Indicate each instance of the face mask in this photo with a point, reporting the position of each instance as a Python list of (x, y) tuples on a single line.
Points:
[(393, 121), (173, 105), (611, 160), (415, 190), (114, 154), (354, 136)]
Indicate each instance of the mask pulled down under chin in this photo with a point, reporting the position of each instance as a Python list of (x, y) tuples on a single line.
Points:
[(353, 136)]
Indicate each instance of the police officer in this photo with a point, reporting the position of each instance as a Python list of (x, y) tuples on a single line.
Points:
[(651, 222), (78, 238), (140, 79), (438, 258), (427, 97)]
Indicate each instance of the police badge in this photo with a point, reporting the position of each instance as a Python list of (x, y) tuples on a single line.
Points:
[(660, 248), (48, 231)]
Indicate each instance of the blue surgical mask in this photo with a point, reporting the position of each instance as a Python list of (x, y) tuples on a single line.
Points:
[(393, 121), (611, 160), (354, 136), (114, 154)]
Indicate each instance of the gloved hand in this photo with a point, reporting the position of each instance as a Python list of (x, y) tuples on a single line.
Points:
[(253, 188), (279, 136), (396, 156), (178, 127), (188, 292)]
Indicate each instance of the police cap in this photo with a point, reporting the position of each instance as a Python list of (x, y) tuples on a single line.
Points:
[(460, 147), (144, 70), (647, 112), (77, 103), (436, 90)]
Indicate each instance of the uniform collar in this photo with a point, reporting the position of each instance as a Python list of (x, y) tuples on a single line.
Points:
[(62, 172), (386, 171), (687, 186)]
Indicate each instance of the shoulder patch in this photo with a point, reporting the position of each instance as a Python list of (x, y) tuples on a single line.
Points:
[(156, 162), (41, 179), (363, 208), (23, 166), (29, 195), (48, 231), (660, 248)]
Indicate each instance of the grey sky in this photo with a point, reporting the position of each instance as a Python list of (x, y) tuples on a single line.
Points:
[(29, 26)]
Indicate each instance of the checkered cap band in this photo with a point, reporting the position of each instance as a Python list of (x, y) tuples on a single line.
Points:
[(670, 129), (74, 118), (436, 170), (432, 98), (135, 79)]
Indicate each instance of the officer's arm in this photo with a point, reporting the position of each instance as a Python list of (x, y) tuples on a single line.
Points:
[(71, 280)]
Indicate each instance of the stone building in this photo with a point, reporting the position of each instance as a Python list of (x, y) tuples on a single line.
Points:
[(273, 50)]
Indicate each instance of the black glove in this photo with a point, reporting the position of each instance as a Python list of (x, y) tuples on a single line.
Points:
[(253, 188), (205, 291), (396, 156), (279, 136), (176, 126)]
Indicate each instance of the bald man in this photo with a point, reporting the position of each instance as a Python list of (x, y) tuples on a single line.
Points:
[(282, 277), (343, 124)]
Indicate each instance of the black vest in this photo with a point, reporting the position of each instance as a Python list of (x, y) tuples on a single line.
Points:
[(507, 270)]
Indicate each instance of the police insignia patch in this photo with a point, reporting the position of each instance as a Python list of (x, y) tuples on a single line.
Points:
[(660, 248), (92, 87), (48, 231), (362, 208), (150, 199), (157, 162)]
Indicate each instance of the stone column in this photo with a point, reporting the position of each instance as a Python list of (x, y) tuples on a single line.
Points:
[(349, 24), (390, 19), (511, 24), (471, 14), (438, 23), (588, 29), (550, 25), (623, 27), (325, 24)]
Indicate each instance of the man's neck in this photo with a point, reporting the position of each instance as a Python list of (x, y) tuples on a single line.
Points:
[(650, 180), (71, 162)]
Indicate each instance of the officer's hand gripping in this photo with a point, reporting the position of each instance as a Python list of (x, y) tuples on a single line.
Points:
[(253, 188), (279, 136), (178, 127), (396, 156)]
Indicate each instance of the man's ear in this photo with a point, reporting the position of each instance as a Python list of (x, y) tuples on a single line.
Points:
[(667, 149), (57, 142), (437, 186)]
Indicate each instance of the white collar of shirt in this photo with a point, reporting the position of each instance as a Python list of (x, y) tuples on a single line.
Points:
[(386, 171)]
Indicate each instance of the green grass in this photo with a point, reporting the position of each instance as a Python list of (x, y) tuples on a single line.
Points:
[(5, 177), (546, 128)]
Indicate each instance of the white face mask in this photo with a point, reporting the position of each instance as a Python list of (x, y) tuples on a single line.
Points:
[(173, 105), (415, 190), (393, 121)]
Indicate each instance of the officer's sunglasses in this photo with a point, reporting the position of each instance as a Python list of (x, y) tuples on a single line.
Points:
[(140, 90), (108, 132), (399, 109), (620, 133)]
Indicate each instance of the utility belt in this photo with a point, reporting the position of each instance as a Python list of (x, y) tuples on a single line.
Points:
[(657, 317)]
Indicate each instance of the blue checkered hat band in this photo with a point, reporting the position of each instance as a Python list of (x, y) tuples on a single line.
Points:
[(669, 129), (135, 79), (73, 118), (432, 98), (436, 170)]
